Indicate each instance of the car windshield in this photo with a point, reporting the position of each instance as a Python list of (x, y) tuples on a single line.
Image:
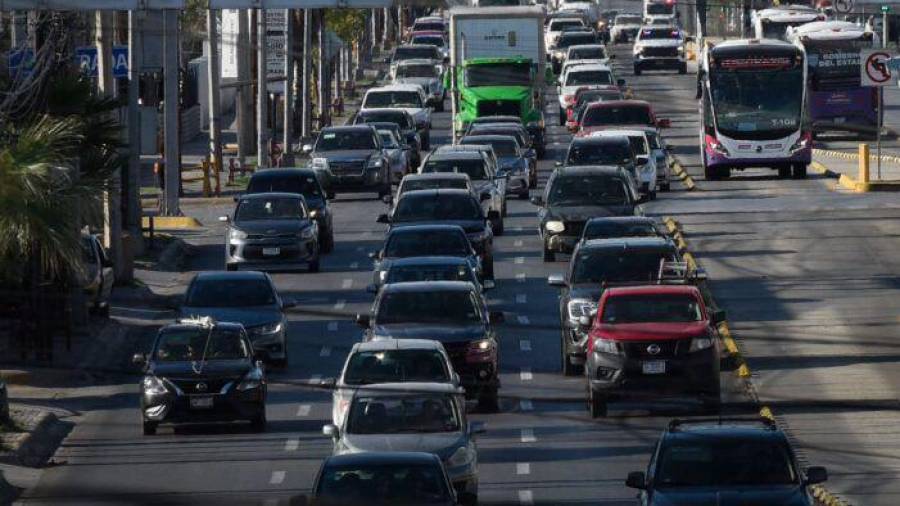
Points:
[(598, 153), (433, 184), (608, 229), (588, 190), (237, 292), (382, 485), (628, 20), (575, 39), (502, 147), (587, 53), (474, 167), (577, 77), (717, 462), (278, 208), (639, 145), (437, 207), (418, 70), (388, 139), (599, 266), (393, 99), (499, 74), (426, 243), (403, 414), (618, 115), (597, 96), (428, 26), (558, 25), (432, 40), (660, 33), (189, 345), (405, 273), (399, 118), (454, 306), (651, 308), (412, 53), (664, 9), (303, 184), (499, 130), (395, 366), (337, 140)]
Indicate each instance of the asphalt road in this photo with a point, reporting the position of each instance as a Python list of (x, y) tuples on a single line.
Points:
[(778, 253)]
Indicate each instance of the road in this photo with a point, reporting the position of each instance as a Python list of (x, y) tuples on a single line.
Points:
[(778, 253)]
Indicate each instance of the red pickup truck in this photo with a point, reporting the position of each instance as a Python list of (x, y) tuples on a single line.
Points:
[(653, 339)]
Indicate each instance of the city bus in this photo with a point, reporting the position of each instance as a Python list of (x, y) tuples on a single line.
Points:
[(836, 101), (773, 22), (752, 98)]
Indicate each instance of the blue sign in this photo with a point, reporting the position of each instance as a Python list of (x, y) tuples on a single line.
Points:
[(87, 60), (21, 60)]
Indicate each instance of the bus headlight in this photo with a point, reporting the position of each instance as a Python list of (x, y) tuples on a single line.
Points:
[(802, 143)]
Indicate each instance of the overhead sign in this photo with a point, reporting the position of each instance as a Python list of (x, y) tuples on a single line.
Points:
[(874, 68), (87, 60), (91, 5), (298, 4)]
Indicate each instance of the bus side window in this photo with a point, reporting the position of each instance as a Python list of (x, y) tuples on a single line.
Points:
[(707, 114)]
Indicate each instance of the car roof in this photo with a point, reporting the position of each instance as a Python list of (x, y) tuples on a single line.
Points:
[(589, 46), (229, 275), (429, 260), (725, 428), (584, 170), (436, 175), (599, 139), (277, 172), (347, 128), (396, 87), (615, 132), (381, 458), (411, 387), (490, 137), (268, 195), (501, 125), (454, 154), (588, 66), (376, 110), (621, 103), (653, 290), (187, 325), (622, 219), (414, 46), (398, 344), (429, 286), (629, 243), (385, 125), (411, 229), (437, 192), (415, 61)]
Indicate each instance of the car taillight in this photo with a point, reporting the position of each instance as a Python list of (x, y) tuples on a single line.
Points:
[(480, 350), (570, 114), (568, 99)]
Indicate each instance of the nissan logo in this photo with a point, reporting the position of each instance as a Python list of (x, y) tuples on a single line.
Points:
[(200, 387), (759, 149), (654, 349)]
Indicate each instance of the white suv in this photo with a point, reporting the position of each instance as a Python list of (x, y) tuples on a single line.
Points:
[(659, 47), (409, 97)]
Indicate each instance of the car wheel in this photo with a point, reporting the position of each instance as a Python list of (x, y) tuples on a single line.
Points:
[(568, 368), (149, 428), (498, 227), (800, 171), (426, 140), (597, 404), (231, 267), (258, 423), (532, 180), (103, 310), (541, 151), (314, 265), (330, 194), (488, 267), (562, 116), (682, 69), (665, 187), (784, 172), (439, 107), (488, 400), (637, 70), (327, 242)]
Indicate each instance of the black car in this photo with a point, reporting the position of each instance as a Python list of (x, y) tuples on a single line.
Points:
[(201, 371), (351, 159), (383, 479), (608, 150), (593, 265), (435, 268), (304, 182), (566, 39), (481, 167), (448, 207), (615, 227), (519, 132), (423, 241), (404, 122), (572, 196), (452, 312), (725, 462)]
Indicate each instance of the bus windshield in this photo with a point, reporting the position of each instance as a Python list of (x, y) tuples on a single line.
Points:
[(834, 64), (745, 107)]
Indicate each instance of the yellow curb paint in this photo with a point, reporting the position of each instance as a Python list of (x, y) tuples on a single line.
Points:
[(684, 176), (171, 222), (849, 183), (765, 412)]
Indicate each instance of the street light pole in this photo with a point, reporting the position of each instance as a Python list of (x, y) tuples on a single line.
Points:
[(262, 92)]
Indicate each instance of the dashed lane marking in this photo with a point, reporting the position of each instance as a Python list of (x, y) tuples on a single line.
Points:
[(527, 436), (524, 345), (523, 468), (520, 277), (354, 265), (340, 304), (526, 498), (325, 351), (277, 477), (292, 444), (525, 374), (523, 320), (521, 298), (332, 326), (315, 379), (303, 410), (520, 260), (346, 284), (525, 405), (518, 243)]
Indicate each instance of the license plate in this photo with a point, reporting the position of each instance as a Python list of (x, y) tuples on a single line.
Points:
[(271, 252), (201, 402), (654, 367)]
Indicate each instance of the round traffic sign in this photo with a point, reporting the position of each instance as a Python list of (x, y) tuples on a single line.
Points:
[(843, 6), (876, 67)]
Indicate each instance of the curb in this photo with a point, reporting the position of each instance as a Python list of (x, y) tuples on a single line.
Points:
[(822, 496), (35, 447), (849, 183), (682, 174), (172, 257), (171, 223)]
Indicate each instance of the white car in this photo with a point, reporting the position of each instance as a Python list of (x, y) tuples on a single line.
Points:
[(408, 97), (389, 361), (555, 28), (625, 27), (595, 53), (659, 48), (427, 75), (576, 76), (645, 162)]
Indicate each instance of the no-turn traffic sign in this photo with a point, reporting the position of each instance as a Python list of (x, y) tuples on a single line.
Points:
[(874, 68), (843, 6)]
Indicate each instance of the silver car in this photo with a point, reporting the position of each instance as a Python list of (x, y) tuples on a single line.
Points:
[(425, 74), (397, 154)]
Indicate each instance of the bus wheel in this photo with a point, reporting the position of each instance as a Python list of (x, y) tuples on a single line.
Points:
[(784, 171), (800, 171)]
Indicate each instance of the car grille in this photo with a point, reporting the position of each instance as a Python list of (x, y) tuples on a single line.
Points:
[(273, 236), (190, 385), (661, 51), (667, 349), (347, 168), (499, 108), (457, 351), (574, 228)]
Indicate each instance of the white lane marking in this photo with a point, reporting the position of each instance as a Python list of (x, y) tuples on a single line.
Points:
[(523, 468), (523, 320), (292, 444), (354, 265), (521, 298), (303, 410), (526, 498), (325, 351), (332, 326), (525, 374), (520, 277), (528, 436), (518, 243), (525, 345), (520, 229), (520, 260), (339, 305), (347, 284), (315, 379), (277, 477), (525, 405), (360, 248)]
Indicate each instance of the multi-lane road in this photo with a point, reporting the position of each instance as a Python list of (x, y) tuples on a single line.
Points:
[(807, 274)]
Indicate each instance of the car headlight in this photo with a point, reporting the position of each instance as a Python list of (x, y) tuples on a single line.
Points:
[(700, 343), (374, 164), (558, 54), (252, 380), (271, 328), (555, 227), (581, 307), (320, 163), (237, 234), (605, 346), (680, 49), (481, 345), (154, 386), (638, 51), (308, 232), (460, 457), (314, 213), (382, 276)]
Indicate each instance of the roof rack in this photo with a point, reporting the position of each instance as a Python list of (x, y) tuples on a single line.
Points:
[(676, 423), (679, 272), (200, 321)]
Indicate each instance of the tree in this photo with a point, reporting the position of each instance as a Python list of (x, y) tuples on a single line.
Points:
[(348, 24)]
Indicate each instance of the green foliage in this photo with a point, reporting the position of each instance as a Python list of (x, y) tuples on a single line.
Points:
[(348, 24)]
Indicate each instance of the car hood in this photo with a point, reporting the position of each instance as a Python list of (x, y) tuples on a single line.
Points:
[(662, 43), (247, 316), (584, 213), (212, 369), (439, 443), (652, 331), (589, 291), (497, 93), (507, 161), (470, 226), (270, 227), (443, 332), (747, 496), (425, 82), (346, 155)]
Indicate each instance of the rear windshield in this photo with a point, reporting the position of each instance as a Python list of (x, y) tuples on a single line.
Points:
[(587, 53), (502, 147), (237, 292), (382, 485), (428, 26), (280, 208), (714, 462), (628, 20), (396, 117), (393, 99), (618, 115), (346, 140), (499, 130), (305, 185), (433, 184), (598, 96), (405, 273), (558, 25), (599, 266), (410, 53), (417, 70), (599, 153), (652, 308), (395, 366), (426, 243), (660, 33), (474, 167), (441, 207), (454, 306), (432, 40), (574, 39), (660, 9), (188, 345), (604, 229), (576, 77)]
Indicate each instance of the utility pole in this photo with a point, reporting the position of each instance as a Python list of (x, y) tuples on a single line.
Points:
[(322, 71), (262, 92), (215, 121), (244, 91), (171, 204), (133, 190), (287, 151), (306, 92), (106, 84)]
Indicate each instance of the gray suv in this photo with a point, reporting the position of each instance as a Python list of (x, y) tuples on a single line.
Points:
[(351, 159)]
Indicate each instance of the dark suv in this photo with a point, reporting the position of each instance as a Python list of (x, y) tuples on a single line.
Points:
[(725, 461), (351, 159), (452, 312), (422, 241), (404, 122)]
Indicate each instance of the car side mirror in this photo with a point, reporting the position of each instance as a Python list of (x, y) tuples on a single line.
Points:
[(139, 359), (224, 219), (497, 317), (476, 428), (372, 288), (331, 431), (668, 149), (363, 320), (556, 280), (307, 148), (388, 199), (620, 83), (636, 479), (454, 378), (373, 255), (612, 57), (538, 201), (488, 284), (383, 218), (664, 123), (718, 316), (328, 383), (557, 164), (816, 474)]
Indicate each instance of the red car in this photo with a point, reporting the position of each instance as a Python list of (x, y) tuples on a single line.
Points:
[(656, 340), (620, 114), (586, 95)]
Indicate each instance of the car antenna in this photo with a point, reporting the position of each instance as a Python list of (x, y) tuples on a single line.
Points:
[(206, 322)]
